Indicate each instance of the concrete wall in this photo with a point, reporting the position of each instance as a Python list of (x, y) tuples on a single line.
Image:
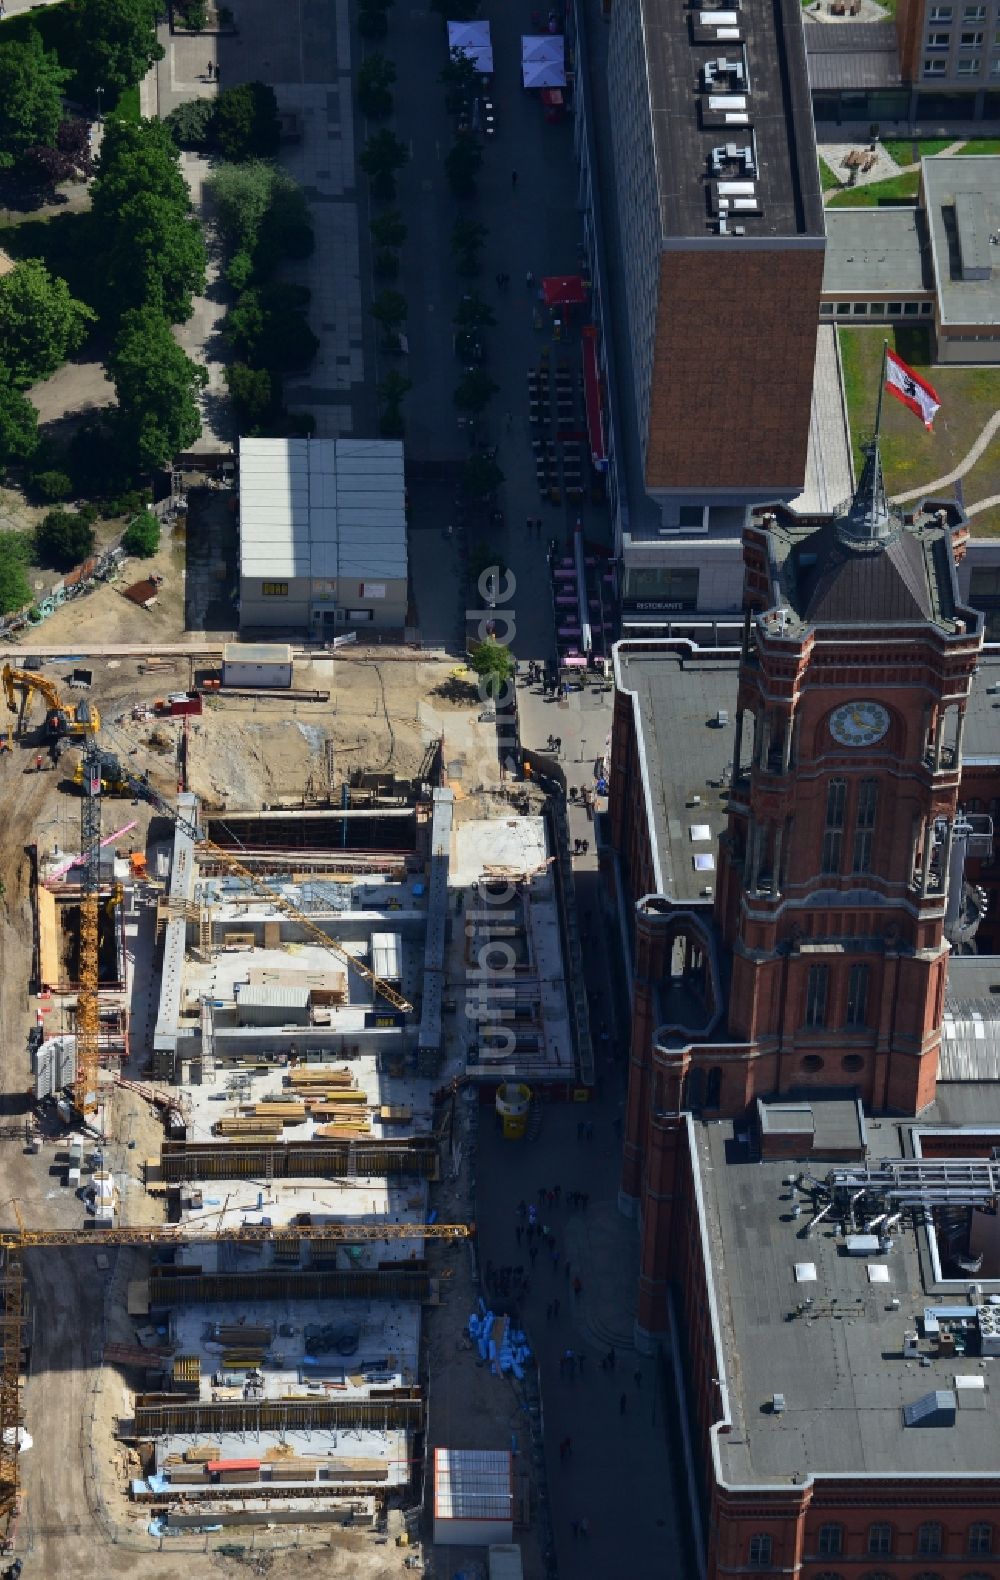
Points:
[(303, 609)]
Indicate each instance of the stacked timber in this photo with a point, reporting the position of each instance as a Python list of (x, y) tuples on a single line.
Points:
[(249, 1126)]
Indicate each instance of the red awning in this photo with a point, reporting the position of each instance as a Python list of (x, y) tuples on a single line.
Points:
[(553, 97), (560, 290), (592, 396)]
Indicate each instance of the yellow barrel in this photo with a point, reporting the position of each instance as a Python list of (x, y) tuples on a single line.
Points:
[(513, 1104)]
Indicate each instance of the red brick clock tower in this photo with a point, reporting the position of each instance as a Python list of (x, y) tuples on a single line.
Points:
[(834, 868)]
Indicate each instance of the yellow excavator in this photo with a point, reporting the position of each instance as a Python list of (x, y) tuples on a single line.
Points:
[(61, 723)]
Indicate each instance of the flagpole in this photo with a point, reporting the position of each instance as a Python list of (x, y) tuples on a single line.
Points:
[(881, 390)]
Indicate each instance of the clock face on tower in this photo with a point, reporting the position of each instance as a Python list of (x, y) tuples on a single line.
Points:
[(859, 723)]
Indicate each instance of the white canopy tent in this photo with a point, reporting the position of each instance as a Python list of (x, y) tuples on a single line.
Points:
[(543, 60), (473, 39)]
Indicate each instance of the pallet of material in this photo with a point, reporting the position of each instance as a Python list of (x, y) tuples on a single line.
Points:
[(186, 1475), (287, 1107), (292, 1469), (201, 1453), (337, 1111), (394, 1114), (232, 1335), (348, 1097), (317, 1075), (234, 1125), (351, 1469), (344, 1132), (272, 1114)]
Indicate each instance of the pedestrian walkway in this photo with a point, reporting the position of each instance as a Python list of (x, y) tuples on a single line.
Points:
[(964, 466)]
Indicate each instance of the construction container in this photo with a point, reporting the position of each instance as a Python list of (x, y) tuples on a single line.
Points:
[(387, 956), (73, 1179), (271, 1006), (256, 665)]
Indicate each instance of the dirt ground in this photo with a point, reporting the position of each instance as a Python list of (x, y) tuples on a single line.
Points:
[(383, 712)]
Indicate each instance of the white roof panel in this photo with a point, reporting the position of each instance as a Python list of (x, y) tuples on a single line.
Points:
[(322, 508)]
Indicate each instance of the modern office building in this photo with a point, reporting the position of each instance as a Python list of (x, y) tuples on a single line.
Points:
[(949, 56), (322, 536), (721, 249)]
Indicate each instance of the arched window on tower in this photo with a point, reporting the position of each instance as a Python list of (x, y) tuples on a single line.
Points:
[(864, 827), (833, 832)]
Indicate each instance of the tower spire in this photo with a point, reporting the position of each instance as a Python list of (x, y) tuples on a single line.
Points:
[(868, 519)]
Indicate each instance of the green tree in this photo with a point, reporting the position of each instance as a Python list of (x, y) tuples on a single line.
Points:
[(15, 553), (18, 425), (192, 124), (268, 328), (473, 313), (154, 256), (392, 391), (493, 664), (64, 539), (113, 44), (246, 121), (137, 157), (468, 237), (389, 310), (253, 394), (388, 229), (475, 391), (481, 477), (142, 536), (376, 75), (242, 195), (157, 387), (462, 164), (373, 18), (40, 323), (381, 158), (31, 83), (460, 77)]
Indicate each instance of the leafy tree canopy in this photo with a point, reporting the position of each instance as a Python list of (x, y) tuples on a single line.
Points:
[(137, 157), (142, 536), (40, 323), (492, 663), (246, 121), (157, 387), (64, 539), (18, 425), (153, 256), (114, 44), (15, 552), (31, 83)]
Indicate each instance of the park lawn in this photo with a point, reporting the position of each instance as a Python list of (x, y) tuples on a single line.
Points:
[(981, 145), (827, 180), (49, 21), (897, 189), (911, 456), (64, 244), (901, 148)]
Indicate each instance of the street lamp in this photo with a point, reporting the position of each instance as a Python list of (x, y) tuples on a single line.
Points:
[(100, 102)]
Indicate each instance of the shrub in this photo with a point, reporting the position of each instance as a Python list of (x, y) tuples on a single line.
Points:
[(192, 14), (52, 485), (239, 271), (375, 78), (63, 540), (252, 392), (192, 125), (142, 536), (15, 552)]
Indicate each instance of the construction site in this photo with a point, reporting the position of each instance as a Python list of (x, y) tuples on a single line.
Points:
[(247, 1036)]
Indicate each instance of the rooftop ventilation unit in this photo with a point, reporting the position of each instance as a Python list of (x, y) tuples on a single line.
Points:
[(988, 1322), (934, 1409)]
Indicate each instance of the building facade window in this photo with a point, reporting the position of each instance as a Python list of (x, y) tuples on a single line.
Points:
[(981, 1539), (817, 986), (940, 13), (969, 66), (864, 826), (929, 1539), (971, 40), (857, 1011), (932, 68), (880, 1540), (274, 589), (761, 1547), (939, 41), (833, 832), (831, 1541)]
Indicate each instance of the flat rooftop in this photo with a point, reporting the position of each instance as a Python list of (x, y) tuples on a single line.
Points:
[(684, 753), (962, 200), (876, 250), (777, 118), (838, 1362), (981, 745)]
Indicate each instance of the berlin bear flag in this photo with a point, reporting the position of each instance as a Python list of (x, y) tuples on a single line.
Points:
[(910, 388)]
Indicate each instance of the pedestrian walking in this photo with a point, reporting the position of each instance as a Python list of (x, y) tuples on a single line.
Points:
[(510, 421), (611, 1358), (216, 71), (522, 1210), (580, 1360), (585, 1528), (638, 1379), (208, 71), (565, 1448), (519, 1231), (548, 1312), (556, 1189), (499, 282), (513, 178), (575, 1527), (623, 1404), (555, 1261), (590, 1122), (538, 525), (532, 1253), (529, 278), (577, 1287)]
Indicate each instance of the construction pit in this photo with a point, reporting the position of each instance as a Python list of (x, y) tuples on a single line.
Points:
[(277, 1383)]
